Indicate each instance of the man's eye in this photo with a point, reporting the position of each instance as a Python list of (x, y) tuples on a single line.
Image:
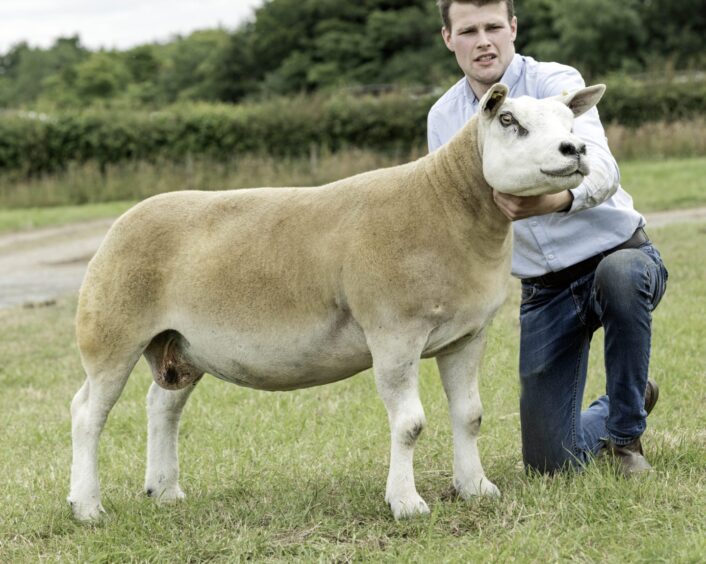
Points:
[(506, 120)]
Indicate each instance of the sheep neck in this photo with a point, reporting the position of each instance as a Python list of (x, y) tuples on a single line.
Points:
[(455, 174)]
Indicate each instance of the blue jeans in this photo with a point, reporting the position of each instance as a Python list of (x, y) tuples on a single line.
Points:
[(556, 328)]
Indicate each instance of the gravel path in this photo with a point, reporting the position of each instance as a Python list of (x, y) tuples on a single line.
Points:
[(37, 267)]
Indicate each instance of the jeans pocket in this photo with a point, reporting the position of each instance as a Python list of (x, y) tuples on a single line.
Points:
[(528, 292), (534, 297)]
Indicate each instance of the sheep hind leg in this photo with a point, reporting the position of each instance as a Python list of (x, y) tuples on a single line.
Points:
[(89, 411), (174, 380), (164, 408)]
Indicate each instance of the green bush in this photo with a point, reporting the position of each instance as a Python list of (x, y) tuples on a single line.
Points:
[(632, 103), (33, 144)]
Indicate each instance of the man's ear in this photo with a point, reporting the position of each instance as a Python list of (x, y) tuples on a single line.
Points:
[(446, 36), (492, 100), (513, 27), (584, 99)]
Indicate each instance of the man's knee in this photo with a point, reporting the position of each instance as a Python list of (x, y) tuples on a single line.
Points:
[(622, 270), (549, 459), (622, 280), (548, 442)]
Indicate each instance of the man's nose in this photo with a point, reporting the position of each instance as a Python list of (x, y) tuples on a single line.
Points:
[(483, 38)]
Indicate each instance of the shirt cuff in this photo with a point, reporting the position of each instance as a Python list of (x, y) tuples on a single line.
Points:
[(595, 189), (580, 197)]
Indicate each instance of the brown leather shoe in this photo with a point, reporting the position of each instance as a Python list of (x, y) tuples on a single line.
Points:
[(629, 458), (651, 395)]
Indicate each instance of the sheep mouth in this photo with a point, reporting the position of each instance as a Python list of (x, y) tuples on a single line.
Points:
[(577, 168)]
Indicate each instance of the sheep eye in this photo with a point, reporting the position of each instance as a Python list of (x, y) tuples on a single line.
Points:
[(506, 119)]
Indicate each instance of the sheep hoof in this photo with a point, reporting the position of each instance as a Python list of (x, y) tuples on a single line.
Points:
[(475, 488), (86, 512), (408, 506), (166, 495)]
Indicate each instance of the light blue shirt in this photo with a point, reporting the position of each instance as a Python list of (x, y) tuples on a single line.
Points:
[(601, 216)]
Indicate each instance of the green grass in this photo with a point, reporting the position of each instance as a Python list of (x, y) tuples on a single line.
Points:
[(301, 475), (654, 184), (31, 218), (665, 184)]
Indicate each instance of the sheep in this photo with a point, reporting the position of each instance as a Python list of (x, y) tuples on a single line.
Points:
[(285, 288)]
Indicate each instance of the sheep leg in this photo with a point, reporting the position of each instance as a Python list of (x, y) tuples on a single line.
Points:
[(164, 408), (396, 367), (89, 411), (459, 374)]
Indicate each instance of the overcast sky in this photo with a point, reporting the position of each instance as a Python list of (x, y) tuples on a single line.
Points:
[(114, 23)]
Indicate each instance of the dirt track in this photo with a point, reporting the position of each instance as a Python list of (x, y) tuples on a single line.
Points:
[(38, 266)]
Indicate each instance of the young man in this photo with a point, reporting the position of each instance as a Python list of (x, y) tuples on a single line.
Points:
[(582, 255)]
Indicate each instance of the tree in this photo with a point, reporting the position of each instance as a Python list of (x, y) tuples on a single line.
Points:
[(102, 76), (24, 70), (304, 45), (676, 31), (296, 46), (236, 72), (189, 69), (594, 35), (142, 63)]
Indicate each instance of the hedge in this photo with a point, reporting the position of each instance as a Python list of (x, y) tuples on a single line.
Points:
[(34, 144)]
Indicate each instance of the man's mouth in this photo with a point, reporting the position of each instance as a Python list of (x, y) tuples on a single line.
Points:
[(485, 58)]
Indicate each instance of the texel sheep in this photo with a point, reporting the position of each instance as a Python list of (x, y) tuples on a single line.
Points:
[(284, 288)]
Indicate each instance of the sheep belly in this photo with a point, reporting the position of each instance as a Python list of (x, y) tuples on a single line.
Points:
[(283, 358)]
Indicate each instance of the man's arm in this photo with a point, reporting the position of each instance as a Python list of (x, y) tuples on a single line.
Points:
[(520, 207), (597, 187)]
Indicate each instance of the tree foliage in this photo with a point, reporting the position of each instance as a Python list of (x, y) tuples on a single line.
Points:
[(294, 46)]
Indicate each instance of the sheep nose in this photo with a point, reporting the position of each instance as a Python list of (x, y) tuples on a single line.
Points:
[(571, 150)]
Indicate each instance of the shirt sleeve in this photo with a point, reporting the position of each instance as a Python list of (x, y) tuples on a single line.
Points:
[(604, 177)]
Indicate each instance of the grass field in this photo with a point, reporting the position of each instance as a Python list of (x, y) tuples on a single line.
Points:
[(300, 476), (654, 184)]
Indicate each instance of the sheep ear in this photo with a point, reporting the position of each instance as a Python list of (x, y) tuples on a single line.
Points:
[(492, 100), (584, 99)]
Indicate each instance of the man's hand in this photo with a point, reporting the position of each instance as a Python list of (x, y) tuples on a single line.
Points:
[(520, 207)]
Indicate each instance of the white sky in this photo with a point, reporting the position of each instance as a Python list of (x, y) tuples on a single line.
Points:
[(118, 24)]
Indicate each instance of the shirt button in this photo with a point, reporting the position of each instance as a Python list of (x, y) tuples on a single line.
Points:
[(534, 224), (550, 257)]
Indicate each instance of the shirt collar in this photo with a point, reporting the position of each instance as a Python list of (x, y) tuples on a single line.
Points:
[(512, 74)]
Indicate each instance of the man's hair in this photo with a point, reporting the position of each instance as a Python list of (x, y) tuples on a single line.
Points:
[(445, 5)]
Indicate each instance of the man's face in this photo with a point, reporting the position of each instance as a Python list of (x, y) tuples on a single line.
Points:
[(482, 38)]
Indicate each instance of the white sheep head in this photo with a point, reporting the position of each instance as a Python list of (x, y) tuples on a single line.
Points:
[(528, 145)]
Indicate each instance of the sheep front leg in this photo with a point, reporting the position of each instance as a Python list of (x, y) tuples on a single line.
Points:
[(396, 367), (164, 409), (459, 374)]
